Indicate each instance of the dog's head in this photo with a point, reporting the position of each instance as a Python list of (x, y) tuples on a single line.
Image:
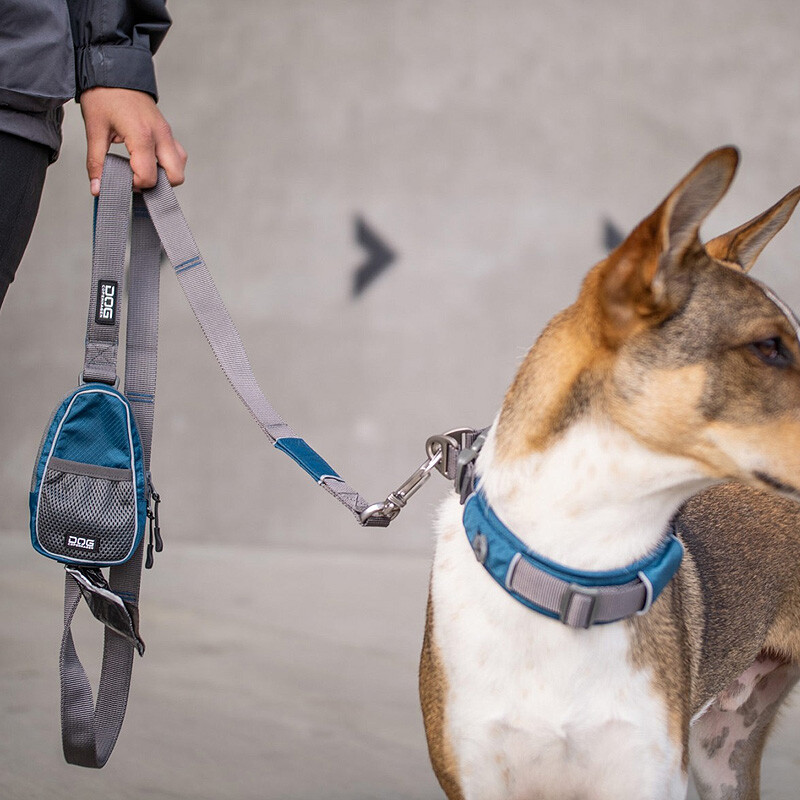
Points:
[(673, 341)]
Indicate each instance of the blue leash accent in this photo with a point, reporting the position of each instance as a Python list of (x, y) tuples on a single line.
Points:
[(308, 458)]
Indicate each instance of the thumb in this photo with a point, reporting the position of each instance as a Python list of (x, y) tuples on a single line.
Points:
[(97, 144)]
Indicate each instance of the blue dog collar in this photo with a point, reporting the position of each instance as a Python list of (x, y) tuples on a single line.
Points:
[(576, 598)]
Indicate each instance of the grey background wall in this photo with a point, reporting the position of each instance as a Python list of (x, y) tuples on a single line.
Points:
[(487, 142)]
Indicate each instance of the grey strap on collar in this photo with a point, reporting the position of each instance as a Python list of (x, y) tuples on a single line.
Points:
[(577, 598), (575, 605), (89, 730)]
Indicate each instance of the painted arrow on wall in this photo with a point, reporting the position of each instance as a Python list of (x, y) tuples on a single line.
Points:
[(612, 235), (379, 257)]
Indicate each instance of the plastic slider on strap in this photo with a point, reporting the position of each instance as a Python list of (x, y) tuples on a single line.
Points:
[(588, 612)]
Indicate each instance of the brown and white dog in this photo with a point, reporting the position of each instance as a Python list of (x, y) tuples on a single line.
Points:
[(672, 372)]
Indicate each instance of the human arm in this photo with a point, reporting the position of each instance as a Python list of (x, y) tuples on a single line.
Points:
[(115, 84)]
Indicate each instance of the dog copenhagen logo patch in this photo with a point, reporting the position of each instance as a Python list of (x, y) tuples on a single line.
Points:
[(90, 543), (106, 303)]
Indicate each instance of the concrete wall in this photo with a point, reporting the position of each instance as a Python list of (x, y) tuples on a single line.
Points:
[(487, 142)]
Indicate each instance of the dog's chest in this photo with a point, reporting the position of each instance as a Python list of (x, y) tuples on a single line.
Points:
[(536, 709)]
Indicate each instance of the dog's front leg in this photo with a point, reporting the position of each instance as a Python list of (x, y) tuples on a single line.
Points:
[(726, 741)]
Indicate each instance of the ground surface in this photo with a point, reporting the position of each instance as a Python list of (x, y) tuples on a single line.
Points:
[(488, 143)]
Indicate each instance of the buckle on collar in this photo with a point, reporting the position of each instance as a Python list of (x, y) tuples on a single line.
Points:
[(464, 477), (573, 590)]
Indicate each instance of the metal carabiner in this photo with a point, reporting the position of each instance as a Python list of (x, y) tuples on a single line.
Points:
[(442, 451), (381, 514)]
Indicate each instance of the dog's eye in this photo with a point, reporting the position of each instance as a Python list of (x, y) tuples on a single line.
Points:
[(772, 351)]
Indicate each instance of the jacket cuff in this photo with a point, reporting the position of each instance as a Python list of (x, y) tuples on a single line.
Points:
[(119, 66)]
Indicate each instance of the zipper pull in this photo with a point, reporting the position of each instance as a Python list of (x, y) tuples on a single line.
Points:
[(156, 527), (153, 500), (149, 560)]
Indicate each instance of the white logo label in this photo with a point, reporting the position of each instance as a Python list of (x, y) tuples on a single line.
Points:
[(107, 295), (81, 542), (106, 303)]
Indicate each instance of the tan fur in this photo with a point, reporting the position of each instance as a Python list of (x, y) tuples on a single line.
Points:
[(749, 544), (620, 298), (433, 694), (537, 405)]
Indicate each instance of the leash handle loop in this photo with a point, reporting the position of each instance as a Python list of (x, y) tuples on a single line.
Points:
[(89, 727)]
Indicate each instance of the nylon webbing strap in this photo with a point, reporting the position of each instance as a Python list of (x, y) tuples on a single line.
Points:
[(90, 730), (112, 218), (221, 333), (141, 344)]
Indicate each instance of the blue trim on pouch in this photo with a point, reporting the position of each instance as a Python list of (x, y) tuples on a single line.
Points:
[(308, 458), (502, 546)]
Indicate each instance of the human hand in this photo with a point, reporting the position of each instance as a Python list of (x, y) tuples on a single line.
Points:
[(113, 115)]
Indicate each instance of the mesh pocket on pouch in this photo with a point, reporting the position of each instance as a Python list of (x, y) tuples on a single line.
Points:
[(87, 512)]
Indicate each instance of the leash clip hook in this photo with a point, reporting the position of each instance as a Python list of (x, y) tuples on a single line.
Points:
[(381, 514), (442, 451)]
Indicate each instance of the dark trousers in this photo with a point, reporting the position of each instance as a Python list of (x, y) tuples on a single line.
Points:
[(23, 165)]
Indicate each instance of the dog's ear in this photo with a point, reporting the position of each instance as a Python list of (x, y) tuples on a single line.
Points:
[(742, 246), (646, 277)]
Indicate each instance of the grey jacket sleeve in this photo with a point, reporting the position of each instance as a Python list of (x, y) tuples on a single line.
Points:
[(114, 42)]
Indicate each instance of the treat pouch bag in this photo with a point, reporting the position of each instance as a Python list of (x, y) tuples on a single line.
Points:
[(89, 490)]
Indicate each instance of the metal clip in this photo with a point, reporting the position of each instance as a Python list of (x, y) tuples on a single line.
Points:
[(381, 514), (442, 450), (449, 444)]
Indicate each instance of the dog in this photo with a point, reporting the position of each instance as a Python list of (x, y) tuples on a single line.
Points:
[(674, 377)]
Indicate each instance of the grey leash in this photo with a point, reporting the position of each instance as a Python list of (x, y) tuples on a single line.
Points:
[(224, 339), (90, 729)]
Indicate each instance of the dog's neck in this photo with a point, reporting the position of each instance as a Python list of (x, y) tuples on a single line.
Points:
[(596, 499)]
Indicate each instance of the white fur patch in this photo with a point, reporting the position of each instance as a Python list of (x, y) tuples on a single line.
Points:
[(536, 709)]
